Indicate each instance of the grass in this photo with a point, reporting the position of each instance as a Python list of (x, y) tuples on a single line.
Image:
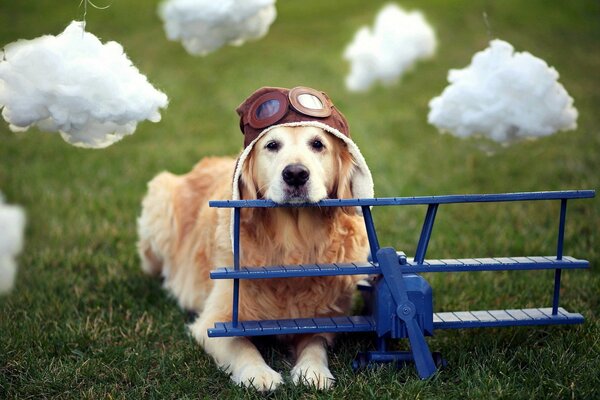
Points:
[(83, 322)]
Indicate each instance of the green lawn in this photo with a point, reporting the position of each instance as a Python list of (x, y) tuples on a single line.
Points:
[(84, 322)]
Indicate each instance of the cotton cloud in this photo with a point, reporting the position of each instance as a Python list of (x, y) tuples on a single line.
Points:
[(203, 26), (504, 95), (12, 225), (89, 92), (385, 52)]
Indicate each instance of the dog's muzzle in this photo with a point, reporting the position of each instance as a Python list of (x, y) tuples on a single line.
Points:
[(295, 175)]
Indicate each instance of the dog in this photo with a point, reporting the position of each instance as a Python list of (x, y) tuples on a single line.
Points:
[(181, 238)]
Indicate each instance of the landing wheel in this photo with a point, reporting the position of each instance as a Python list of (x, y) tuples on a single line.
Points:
[(438, 360), (360, 362)]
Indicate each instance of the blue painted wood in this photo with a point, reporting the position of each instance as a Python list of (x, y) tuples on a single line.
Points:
[(494, 264), (556, 294), (236, 266), (561, 228), (559, 254), (363, 360), (371, 233), (500, 318), (381, 344), (394, 269), (417, 200), (296, 271), (293, 326), (426, 233), (406, 311), (369, 268)]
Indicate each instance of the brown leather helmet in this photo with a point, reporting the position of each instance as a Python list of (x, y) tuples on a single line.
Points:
[(270, 106)]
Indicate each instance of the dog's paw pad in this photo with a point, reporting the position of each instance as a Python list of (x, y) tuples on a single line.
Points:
[(261, 377), (318, 376)]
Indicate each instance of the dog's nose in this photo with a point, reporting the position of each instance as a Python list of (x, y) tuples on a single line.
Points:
[(295, 174)]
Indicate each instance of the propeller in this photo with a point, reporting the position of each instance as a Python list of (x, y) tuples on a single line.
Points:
[(406, 311)]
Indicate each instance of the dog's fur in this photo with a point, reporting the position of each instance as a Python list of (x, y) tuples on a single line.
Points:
[(182, 239)]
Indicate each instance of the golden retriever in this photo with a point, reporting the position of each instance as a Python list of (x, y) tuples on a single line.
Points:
[(182, 238)]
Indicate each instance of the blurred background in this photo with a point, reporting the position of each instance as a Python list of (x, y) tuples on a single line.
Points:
[(84, 322)]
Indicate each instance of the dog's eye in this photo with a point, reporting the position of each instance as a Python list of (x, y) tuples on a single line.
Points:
[(273, 145), (317, 145)]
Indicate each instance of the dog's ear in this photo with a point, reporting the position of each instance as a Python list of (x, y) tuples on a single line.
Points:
[(345, 171), (247, 185)]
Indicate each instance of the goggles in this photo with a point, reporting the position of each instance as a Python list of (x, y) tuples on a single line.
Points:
[(270, 107)]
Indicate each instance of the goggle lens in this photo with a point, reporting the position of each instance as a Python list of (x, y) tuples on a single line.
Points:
[(310, 101), (267, 109)]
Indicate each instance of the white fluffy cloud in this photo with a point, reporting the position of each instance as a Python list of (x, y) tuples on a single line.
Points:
[(503, 95), (204, 26), (383, 53), (12, 225), (73, 84)]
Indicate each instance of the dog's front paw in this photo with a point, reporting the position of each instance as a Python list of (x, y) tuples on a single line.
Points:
[(262, 377), (312, 374)]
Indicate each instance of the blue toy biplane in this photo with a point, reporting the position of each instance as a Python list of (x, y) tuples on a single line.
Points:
[(401, 300)]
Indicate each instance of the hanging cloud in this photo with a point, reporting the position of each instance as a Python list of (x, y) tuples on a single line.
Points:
[(203, 26), (12, 225), (504, 95), (73, 84), (385, 52)]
